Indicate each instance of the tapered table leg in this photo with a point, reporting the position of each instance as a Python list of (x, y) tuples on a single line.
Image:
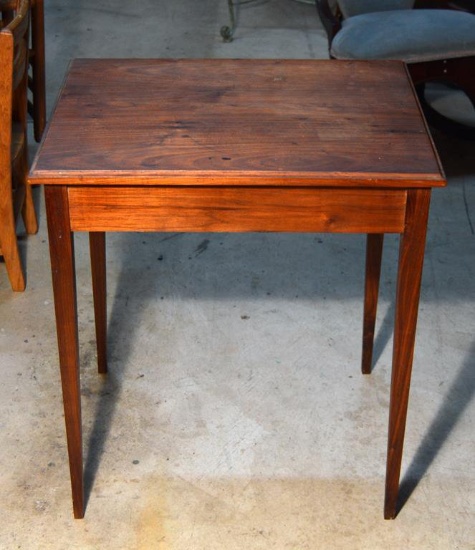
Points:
[(97, 245), (64, 288), (374, 251), (411, 258)]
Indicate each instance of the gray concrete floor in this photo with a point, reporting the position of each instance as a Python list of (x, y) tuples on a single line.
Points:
[(234, 415)]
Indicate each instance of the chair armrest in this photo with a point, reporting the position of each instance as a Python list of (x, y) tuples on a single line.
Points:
[(330, 19)]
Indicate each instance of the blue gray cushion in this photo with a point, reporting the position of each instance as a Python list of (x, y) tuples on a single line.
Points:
[(350, 8), (409, 35)]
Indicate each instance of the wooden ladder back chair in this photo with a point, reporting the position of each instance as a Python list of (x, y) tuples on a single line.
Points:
[(36, 58), (15, 193)]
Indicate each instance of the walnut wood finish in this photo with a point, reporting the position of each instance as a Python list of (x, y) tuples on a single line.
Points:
[(374, 252), (235, 209), (97, 246), (411, 258), (249, 123), (61, 244), (228, 145)]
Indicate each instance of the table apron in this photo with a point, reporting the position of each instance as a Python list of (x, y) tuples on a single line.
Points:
[(237, 209)]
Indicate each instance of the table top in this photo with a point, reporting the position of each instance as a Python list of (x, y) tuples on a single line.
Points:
[(237, 122)]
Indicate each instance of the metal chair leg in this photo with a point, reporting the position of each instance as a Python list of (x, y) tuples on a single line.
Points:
[(228, 31)]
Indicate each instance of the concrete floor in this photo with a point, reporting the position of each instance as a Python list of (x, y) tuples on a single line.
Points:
[(234, 415)]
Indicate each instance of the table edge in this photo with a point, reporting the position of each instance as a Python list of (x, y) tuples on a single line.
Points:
[(242, 179)]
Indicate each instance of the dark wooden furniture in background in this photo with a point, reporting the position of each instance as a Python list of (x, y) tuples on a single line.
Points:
[(237, 145), (463, 5), (15, 192), (36, 80)]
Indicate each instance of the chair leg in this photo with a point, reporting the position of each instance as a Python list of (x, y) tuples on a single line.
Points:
[(97, 246), (38, 68), (228, 31), (28, 212), (374, 251), (10, 251)]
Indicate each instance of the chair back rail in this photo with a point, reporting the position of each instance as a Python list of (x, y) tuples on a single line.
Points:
[(36, 59)]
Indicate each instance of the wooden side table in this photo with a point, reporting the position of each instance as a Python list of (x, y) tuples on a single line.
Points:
[(237, 145)]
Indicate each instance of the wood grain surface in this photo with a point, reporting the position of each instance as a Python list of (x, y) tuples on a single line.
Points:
[(236, 210), (240, 122)]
